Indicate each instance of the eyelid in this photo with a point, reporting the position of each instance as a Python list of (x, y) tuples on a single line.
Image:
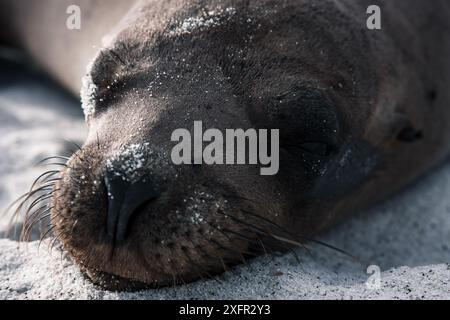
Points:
[(302, 93), (283, 95)]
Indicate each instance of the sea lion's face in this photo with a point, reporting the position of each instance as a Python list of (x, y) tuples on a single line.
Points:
[(128, 215)]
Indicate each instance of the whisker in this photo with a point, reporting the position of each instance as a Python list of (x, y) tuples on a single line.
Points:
[(27, 197), (52, 244), (256, 241), (41, 199), (335, 249), (303, 237), (54, 164), (52, 158), (221, 246), (253, 227), (45, 234), (78, 151), (37, 218), (74, 143), (23, 198), (46, 175), (239, 235)]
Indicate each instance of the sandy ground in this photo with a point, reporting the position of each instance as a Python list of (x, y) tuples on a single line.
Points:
[(407, 237)]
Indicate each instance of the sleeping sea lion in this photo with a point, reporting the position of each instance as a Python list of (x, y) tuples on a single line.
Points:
[(360, 113)]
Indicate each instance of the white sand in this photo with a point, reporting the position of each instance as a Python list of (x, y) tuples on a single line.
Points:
[(407, 236)]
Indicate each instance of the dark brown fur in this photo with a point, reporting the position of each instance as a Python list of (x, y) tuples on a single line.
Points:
[(361, 114)]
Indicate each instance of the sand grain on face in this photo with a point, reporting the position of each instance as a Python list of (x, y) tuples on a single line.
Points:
[(205, 21), (137, 161), (88, 93), (131, 162)]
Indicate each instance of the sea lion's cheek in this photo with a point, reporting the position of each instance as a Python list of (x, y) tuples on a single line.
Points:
[(348, 169)]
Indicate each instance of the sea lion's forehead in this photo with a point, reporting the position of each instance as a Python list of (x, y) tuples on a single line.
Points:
[(248, 34)]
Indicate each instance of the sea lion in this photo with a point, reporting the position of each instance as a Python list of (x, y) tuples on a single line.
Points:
[(361, 113)]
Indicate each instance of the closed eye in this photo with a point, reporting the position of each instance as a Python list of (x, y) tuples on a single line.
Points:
[(321, 149)]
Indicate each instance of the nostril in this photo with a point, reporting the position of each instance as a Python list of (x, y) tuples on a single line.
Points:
[(124, 200)]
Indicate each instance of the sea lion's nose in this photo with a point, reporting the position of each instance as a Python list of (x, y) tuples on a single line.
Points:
[(125, 198)]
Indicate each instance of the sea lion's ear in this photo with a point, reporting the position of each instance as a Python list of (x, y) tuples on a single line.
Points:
[(402, 129)]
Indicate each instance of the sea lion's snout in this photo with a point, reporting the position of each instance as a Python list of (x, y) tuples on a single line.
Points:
[(136, 220)]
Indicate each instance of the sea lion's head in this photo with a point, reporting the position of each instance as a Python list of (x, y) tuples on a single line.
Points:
[(128, 215)]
